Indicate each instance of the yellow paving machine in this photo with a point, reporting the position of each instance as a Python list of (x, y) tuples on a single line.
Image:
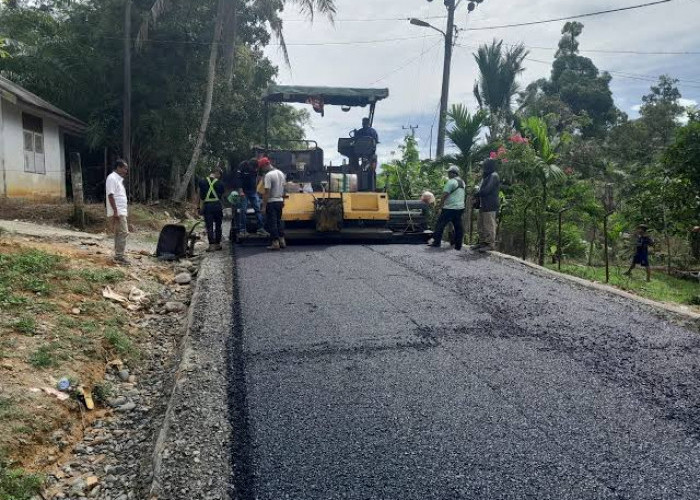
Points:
[(336, 203)]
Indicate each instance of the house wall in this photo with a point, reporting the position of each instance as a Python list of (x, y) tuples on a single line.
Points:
[(17, 182)]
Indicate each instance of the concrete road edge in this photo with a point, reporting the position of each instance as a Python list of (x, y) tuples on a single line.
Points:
[(680, 313)]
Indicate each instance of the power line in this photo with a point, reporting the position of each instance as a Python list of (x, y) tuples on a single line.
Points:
[(292, 44), (406, 63), (629, 76), (578, 16), (481, 28)]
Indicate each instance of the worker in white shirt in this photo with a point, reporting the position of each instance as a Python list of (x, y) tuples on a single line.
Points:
[(117, 209)]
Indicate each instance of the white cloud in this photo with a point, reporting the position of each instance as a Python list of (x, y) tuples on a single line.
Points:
[(414, 79)]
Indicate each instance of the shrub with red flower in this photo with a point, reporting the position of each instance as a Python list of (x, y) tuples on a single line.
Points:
[(518, 139), (501, 154), (569, 171)]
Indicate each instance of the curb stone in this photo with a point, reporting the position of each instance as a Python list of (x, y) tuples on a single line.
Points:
[(685, 316), (192, 443)]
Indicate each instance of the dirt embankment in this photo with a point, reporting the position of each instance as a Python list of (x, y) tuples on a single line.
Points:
[(61, 338)]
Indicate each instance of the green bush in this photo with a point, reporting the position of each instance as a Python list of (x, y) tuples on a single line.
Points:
[(26, 325), (573, 243), (16, 484), (119, 341), (43, 357)]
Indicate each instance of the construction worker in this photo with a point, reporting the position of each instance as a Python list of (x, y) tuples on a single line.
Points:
[(246, 178), (273, 202), (211, 192), (451, 209), (488, 203)]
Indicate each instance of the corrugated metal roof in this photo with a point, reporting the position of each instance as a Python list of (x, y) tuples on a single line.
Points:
[(35, 101)]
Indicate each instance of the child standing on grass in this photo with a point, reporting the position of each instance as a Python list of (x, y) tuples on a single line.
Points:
[(641, 255)]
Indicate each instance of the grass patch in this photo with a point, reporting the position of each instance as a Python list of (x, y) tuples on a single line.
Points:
[(27, 271), (119, 342), (101, 276), (16, 484), (25, 325), (44, 357), (662, 287)]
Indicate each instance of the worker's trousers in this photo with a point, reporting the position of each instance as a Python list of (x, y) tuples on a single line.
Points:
[(213, 218), (486, 225), (273, 219), (121, 231), (455, 217)]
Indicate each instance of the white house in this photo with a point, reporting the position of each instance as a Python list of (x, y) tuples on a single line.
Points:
[(32, 152)]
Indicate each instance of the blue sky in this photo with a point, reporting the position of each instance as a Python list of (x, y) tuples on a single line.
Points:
[(408, 59)]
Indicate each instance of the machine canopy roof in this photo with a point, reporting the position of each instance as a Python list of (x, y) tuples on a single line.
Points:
[(334, 96)]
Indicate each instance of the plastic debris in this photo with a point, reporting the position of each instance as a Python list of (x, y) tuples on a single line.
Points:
[(87, 397), (110, 294), (63, 384), (137, 295), (61, 396)]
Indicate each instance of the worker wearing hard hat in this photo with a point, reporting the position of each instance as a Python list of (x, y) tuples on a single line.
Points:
[(451, 207)]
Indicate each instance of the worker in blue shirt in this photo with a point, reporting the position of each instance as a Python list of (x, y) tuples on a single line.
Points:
[(367, 131)]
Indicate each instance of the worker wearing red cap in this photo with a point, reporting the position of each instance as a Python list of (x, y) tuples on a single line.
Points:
[(273, 202)]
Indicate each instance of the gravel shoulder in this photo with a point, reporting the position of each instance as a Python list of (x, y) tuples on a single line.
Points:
[(191, 459)]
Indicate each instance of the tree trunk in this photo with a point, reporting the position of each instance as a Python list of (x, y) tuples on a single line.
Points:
[(591, 247), (76, 178), (230, 34), (543, 225), (126, 126), (181, 190)]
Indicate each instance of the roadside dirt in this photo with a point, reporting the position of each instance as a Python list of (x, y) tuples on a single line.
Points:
[(56, 325)]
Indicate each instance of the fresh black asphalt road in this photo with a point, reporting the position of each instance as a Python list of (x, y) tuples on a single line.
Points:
[(400, 372)]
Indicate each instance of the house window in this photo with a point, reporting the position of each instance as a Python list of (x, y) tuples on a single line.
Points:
[(33, 128)]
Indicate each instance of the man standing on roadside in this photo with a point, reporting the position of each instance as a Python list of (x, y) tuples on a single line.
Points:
[(211, 192), (451, 209), (488, 204), (117, 209), (273, 203)]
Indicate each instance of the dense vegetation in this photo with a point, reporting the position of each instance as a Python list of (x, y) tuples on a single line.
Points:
[(71, 54), (564, 148)]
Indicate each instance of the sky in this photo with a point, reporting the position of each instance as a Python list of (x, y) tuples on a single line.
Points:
[(372, 44)]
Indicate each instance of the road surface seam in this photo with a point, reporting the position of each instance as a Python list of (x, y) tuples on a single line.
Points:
[(242, 468)]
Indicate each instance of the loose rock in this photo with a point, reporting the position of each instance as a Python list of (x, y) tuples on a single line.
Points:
[(173, 307), (183, 278)]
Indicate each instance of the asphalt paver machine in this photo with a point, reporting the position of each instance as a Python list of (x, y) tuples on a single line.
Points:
[(337, 203)]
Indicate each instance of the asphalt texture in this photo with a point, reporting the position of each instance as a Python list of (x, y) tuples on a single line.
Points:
[(401, 372)]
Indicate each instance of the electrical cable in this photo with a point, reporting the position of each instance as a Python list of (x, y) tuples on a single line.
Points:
[(406, 63), (566, 18)]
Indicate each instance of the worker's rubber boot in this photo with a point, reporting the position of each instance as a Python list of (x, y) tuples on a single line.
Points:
[(275, 245), (283, 243)]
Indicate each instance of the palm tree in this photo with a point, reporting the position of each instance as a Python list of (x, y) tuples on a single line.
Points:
[(464, 135), (225, 31), (497, 86)]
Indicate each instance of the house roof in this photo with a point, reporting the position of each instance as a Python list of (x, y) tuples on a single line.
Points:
[(13, 92)]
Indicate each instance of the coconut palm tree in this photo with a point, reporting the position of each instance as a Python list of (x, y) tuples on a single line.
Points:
[(497, 85), (225, 30), (464, 133)]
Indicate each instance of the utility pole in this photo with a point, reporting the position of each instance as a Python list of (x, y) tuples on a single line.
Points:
[(126, 130), (412, 128), (446, 70), (449, 35)]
